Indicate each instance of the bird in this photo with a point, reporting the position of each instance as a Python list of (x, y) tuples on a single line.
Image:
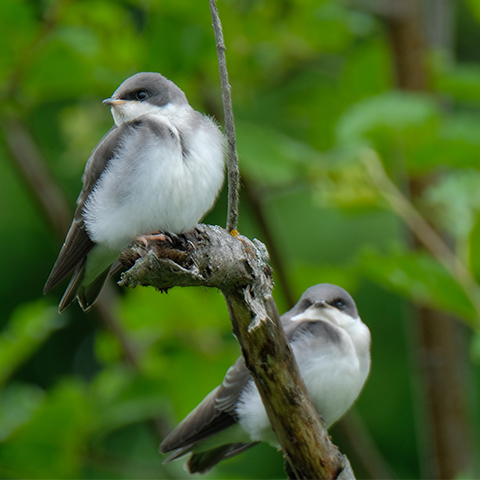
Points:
[(331, 346), (158, 169)]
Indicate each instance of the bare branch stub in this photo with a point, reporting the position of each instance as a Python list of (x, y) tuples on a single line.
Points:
[(233, 170), (239, 268)]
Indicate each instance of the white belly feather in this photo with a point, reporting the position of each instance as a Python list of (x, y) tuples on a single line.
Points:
[(151, 185)]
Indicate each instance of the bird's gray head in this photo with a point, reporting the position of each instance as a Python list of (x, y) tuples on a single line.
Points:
[(144, 93), (326, 295)]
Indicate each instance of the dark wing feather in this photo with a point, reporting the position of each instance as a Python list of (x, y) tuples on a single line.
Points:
[(73, 287), (78, 244), (203, 462), (97, 162), (74, 250), (217, 412), (214, 414), (87, 295)]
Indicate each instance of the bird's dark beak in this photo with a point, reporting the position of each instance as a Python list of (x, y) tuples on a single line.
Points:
[(321, 304), (112, 102)]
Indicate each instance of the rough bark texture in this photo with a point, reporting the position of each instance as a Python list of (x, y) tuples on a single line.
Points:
[(212, 257)]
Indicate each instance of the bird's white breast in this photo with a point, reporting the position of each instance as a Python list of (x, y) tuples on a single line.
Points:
[(333, 374), (158, 182)]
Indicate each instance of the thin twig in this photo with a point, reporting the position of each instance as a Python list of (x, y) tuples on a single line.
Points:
[(233, 171), (422, 229)]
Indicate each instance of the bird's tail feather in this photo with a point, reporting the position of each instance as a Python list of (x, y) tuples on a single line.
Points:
[(73, 287), (203, 462), (87, 295)]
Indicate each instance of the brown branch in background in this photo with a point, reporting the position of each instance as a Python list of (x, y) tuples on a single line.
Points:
[(408, 46), (32, 167), (26, 157), (441, 359), (362, 445), (233, 171)]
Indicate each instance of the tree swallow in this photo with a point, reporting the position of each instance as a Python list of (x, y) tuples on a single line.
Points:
[(331, 345), (159, 168)]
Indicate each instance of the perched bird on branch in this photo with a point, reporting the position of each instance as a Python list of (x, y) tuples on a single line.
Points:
[(159, 168), (331, 345)]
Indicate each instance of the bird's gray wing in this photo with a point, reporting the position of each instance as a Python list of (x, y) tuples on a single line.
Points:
[(214, 414), (98, 160), (217, 410), (77, 243)]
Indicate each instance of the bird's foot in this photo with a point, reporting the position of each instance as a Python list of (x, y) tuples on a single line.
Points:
[(183, 244), (153, 237)]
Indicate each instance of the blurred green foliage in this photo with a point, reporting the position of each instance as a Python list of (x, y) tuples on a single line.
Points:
[(312, 86)]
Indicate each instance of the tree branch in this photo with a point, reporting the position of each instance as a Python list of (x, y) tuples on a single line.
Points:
[(233, 171), (30, 164), (238, 267)]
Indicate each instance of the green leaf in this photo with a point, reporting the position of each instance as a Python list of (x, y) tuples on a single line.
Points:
[(27, 329), (123, 398), (52, 443), (392, 115), (18, 27), (18, 403), (458, 141), (270, 157), (343, 181), (195, 317), (460, 82), (474, 6), (454, 200), (418, 277), (397, 124)]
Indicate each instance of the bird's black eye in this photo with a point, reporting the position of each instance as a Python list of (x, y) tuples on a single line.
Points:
[(141, 95), (338, 303)]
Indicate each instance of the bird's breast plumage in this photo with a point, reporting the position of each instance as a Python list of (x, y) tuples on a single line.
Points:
[(334, 371), (164, 175)]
